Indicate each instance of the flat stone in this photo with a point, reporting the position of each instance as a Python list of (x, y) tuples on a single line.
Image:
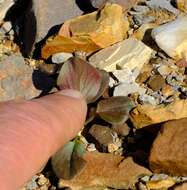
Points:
[(167, 38), (42, 15), (16, 79), (106, 170), (103, 134), (156, 82), (169, 151), (129, 54), (124, 89), (145, 115)]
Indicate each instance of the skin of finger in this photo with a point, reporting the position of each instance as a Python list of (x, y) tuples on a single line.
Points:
[(32, 131)]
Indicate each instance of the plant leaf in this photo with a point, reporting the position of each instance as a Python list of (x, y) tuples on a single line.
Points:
[(104, 84), (68, 161), (80, 75), (115, 110)]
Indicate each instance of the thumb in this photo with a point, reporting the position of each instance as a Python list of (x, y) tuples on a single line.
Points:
[(31, 131)]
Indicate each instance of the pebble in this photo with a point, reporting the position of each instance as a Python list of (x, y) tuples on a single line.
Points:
[(61, 57), (156, 82)]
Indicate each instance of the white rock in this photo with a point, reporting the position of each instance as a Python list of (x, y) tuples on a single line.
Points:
[(147, 99), (129, 54), (126, 75), (124, 89), (172, 38), (61, 57)]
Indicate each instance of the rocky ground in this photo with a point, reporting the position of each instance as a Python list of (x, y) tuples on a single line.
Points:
[(129, 59)]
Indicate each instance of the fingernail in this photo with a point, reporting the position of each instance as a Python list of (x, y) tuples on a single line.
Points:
[(71, 93)]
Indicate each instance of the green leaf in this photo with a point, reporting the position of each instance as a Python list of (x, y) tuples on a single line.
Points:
[(68, 161), (115, 110), (80, 75)]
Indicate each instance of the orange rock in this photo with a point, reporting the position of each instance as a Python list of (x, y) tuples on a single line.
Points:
[(145, 115), (89, 32), (106, 170)]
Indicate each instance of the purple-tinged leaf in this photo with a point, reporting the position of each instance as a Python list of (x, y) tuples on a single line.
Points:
[(80, 75), (115, 110)]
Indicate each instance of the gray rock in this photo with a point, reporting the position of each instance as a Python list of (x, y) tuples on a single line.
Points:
[(42, 15), (16, 79), (164, 4)]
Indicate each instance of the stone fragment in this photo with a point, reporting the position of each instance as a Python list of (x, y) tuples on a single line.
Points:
[(156, 82), (169, 150), (16, 79), (124, 89), (126, 4), (129, 54), (164, 4), (44, 15), (106, 170), (171, 38), (61, 57), (145, 115), (103, 134), (182, 5), (181, 187), (89, 32), (4, 7)]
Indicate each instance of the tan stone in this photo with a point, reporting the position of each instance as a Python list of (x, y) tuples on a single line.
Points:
[(145, 115), (106, 170), (129, 54), (89, 32), (169, 151)]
